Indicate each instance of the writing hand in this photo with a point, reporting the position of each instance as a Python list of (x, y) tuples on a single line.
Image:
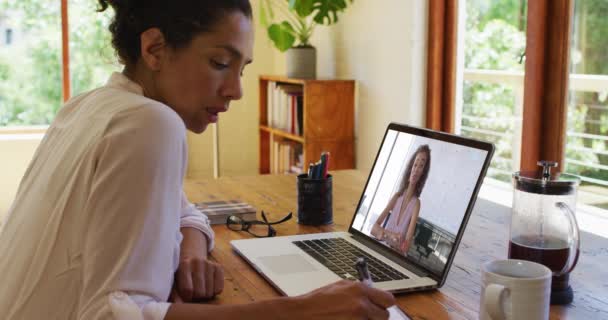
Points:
[(345, 300)]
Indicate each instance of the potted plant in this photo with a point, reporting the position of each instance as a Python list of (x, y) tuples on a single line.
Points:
[(292, 33)]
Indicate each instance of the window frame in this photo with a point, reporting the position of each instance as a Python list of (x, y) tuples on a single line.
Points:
[(545, 80), (442, 39)]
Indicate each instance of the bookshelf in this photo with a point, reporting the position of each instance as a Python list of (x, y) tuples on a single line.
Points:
[(300, 118)]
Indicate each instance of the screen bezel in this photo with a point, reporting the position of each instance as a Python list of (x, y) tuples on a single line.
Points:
[(445, 137)]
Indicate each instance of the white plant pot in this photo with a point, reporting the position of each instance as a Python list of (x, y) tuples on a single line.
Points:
[(302, 62)]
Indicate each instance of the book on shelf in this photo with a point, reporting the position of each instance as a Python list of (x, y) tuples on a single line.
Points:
[(219, 211), (284, 107), (296, 169), (286, 157), (299, 123)]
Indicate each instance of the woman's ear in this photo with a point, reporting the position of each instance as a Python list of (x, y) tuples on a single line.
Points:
[(153, 48)]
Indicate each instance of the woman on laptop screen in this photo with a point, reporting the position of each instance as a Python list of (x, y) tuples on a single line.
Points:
[(397, 222)]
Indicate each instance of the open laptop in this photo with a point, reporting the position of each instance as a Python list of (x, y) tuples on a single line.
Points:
[(299, 264)]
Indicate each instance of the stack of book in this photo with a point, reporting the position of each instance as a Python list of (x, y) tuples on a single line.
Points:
[(219, 211)]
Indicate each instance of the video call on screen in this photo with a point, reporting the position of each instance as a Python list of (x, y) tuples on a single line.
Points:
[(417, 196)]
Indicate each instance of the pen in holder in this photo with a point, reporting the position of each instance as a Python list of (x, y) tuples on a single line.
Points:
[(315, 200)]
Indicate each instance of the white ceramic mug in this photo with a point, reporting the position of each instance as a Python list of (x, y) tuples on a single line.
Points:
[(514, 289)]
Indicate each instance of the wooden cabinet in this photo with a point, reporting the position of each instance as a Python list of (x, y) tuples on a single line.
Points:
[(327, 124)]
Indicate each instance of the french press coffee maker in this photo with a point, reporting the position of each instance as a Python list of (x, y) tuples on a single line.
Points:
[(543, 224)]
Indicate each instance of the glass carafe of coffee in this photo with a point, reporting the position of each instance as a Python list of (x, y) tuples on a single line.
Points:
[(543, 224)]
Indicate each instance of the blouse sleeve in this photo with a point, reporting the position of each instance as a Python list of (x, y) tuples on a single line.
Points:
[(191, 217), (131, 240)]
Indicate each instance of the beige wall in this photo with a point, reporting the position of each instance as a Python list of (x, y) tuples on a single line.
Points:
[(382, 45), (16, 155)]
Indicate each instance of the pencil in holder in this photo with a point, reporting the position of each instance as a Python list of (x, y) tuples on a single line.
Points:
[(315, 200)]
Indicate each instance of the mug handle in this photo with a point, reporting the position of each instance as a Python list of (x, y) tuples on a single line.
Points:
[(493, 297)]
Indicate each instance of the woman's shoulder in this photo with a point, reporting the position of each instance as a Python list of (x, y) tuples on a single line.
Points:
[(155, 115), (122, 101), (395, 198), (126, 110), (399, 196), (415, 201)]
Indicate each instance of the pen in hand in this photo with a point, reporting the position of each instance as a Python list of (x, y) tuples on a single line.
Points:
[(361, 265)]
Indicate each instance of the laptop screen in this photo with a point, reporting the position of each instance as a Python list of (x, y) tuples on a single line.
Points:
[(417, 196)]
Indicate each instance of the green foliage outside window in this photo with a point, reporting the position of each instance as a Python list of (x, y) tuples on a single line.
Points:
[(495, 40), (30, 70), (588, 111)]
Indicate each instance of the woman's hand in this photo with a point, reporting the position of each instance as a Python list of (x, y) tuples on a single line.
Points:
[(392, 239), (377, 231), (197, 278), (344, 300), (405, 245)]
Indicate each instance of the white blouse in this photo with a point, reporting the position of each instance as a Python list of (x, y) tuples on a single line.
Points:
[(93, 232)]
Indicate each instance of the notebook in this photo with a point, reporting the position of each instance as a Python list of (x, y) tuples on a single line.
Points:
[(408, 223)]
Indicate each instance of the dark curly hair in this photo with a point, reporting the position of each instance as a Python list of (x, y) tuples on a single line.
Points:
[(405, 182), (179, 21)]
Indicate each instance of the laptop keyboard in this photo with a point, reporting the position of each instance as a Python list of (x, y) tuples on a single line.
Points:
[(339, 256)]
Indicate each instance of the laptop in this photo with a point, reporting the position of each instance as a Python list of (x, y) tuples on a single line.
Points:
[(408, 223)]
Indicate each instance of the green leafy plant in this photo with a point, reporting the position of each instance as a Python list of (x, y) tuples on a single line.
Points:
[(300, 19)]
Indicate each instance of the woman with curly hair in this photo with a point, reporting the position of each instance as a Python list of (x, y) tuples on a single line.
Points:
[(397, 223)]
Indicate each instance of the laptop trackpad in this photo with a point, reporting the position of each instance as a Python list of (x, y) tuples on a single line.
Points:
[(286, 264)]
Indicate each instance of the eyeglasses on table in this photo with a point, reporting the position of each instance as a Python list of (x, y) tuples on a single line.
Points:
[(257, 228)]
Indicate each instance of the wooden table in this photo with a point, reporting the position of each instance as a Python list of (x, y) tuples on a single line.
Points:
[(485, 238)]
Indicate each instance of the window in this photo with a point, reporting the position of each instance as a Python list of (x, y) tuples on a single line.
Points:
[(490, 103), (587, 128), (30, 77), (92, 58), (523, 99), (31, 80)]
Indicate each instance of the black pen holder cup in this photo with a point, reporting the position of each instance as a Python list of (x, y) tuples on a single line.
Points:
[(314, 201)]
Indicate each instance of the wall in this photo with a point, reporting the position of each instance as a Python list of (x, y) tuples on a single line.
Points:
[(382, 45), (16, 155)]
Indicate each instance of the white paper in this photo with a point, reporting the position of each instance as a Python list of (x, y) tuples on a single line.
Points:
[(396, 314)]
